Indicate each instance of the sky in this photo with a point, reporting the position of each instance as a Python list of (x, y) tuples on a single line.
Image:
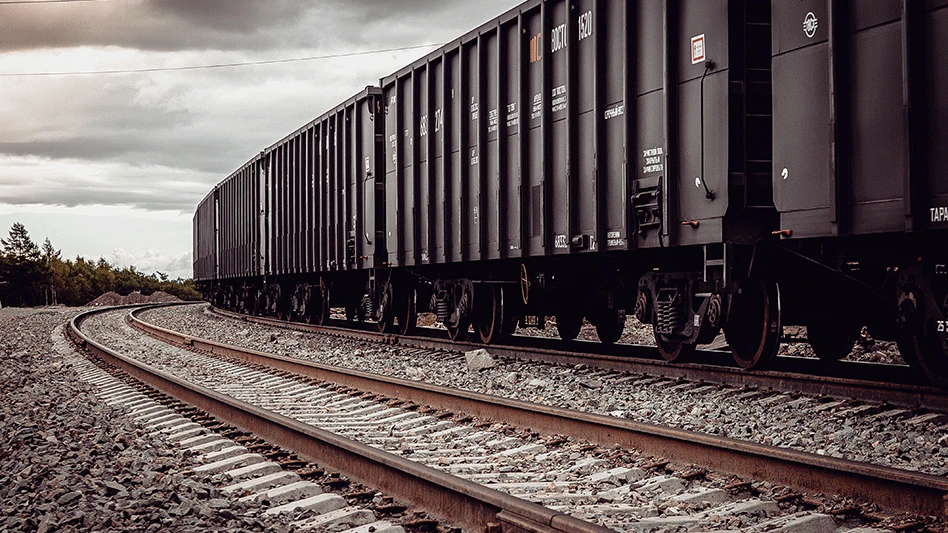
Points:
[(113, 165)]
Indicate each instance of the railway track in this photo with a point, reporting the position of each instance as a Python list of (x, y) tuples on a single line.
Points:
[(466, 503), (249, 465), (895, 385), (890, 488)]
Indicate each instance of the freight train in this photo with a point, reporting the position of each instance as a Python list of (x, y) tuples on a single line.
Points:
[(705, 165)]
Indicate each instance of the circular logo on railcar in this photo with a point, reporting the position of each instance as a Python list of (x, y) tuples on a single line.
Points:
[(810, 25)]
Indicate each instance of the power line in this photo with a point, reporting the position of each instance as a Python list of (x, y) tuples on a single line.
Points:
[(213, 66), (24, 2)]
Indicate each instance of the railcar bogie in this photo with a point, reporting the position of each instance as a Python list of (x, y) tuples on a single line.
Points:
[(832, 340), (568, 324), (922, 296), (609, 323), (452, 301), (754, 327), (403, 314), (492, 312)]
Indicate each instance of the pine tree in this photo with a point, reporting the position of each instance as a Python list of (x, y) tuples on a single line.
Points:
[(52, 264), (20, 248), (22, 268), (32, 275), (49, 253)]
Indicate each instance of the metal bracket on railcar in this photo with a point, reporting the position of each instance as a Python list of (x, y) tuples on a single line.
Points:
[(647, 204)]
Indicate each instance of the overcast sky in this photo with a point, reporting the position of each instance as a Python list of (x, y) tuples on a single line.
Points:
[(112, 165)]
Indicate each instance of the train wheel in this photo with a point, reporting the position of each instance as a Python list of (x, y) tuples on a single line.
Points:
[(250, 300), (321, 307), (923, 310), (274, 299), (311, 306), (230, 299), (459, 331), (242, 302), (610, 326), (509, 325), (261, 308), (304, 308), (386, 314), (674, 351), (255, 304), (568, 324), (490, 325), (929, 354), (754, 327), (407, 316), (831, 341)]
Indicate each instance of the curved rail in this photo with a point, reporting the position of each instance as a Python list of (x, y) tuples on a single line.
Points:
[(894, 489), (791, 374), (462, 502)]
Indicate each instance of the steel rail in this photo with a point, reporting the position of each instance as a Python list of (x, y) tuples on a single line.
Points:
[(890, 488), (791, 374), (449, 497)]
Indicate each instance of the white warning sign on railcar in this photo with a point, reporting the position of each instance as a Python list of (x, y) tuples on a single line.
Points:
[(697, 49), (654, 160)]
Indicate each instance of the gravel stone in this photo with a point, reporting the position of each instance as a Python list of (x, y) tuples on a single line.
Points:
[(70, 462), (479, 360), (157, 496), (802, 423), (218, 503), (69, 497)]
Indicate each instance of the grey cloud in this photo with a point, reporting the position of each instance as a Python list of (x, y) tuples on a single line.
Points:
[(199, 155), (175, 124), (182, 198), (169, 25), (150, 25), (154, 260), (200, 125), (240, 16)]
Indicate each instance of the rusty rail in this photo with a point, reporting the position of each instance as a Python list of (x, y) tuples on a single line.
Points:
[(891, 488), (792, 374), (449, 497)]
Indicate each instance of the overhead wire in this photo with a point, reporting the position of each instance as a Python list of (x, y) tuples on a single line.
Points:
[(192, 67), (216, 65), (24, 2)]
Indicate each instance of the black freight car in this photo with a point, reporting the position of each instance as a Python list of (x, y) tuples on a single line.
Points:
[(299, 220), (226, 239), (709, 165), (859, 173), (321, 211), (527, 159), (205, 240)]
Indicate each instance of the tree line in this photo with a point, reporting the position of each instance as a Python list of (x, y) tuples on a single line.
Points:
[(31, 275)]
